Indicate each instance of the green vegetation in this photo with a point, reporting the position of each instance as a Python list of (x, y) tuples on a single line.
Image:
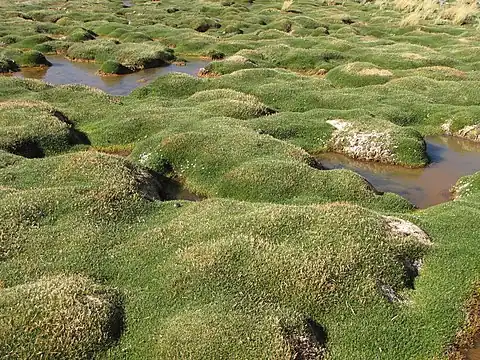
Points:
[(101, 256), (7, 65), (29, 58), (81, 34), (35, 129), (111, 67), (358, 74), (68, 317), (133, 56)]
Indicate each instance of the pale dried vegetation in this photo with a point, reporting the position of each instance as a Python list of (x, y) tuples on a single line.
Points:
[(287, 4), (413, 56), (458, 12), (375, 72)]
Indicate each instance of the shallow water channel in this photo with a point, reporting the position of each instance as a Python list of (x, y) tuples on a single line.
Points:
[(451, 158), (64, 71)]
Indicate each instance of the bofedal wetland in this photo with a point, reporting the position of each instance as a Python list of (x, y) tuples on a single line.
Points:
[(245, 179)]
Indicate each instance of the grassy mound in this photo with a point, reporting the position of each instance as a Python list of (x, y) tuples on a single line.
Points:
[(134, 37), (131, 55), (91, 50), (111, 178), (63, 316), (31, 58), (7, 65), (358, 74), (236, 108), (34, 129), (81, 34), (111, 67), (241, 164), (285, 259), (400, 146), (30, 41), (229, 65)]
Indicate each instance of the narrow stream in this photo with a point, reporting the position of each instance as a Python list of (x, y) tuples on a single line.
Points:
[(451, 158), (64, 71)]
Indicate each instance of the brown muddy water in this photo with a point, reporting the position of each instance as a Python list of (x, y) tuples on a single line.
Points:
[(451, 158), (64, 71), (474, 353)]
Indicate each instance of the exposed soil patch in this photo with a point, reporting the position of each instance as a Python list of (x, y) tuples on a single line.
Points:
[(308, 343), (176, 190), (122, 151), (467, 341), (204, 73), (28, 149), (155, 186)]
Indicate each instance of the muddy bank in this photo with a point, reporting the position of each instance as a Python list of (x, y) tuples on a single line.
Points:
[(450, 158)]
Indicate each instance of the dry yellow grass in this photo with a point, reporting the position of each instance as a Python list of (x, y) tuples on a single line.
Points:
[(462, 12), (458, 12), (287, 4), (412, 56), (377, 72)]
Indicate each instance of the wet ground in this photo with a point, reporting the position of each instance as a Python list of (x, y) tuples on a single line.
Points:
[(451, 158), (64, 71), (474, 353)]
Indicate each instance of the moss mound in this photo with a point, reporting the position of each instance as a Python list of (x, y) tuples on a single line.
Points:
[(218, 94), (7, 65), (141, 56), (35, 129), (203, 25), (131, 55), (109, 179), (359, 74), (31, 41), (263, 241), (81, 34), (229, 65), (8, 39), (30, 58), (91, 50), (394, 145), (135, 37), (69, 317), (279, 330), (111, 67), (236, 108), (285, 259)]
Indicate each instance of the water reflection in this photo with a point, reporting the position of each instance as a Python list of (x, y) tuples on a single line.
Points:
[(450, 158), (64, 71)]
